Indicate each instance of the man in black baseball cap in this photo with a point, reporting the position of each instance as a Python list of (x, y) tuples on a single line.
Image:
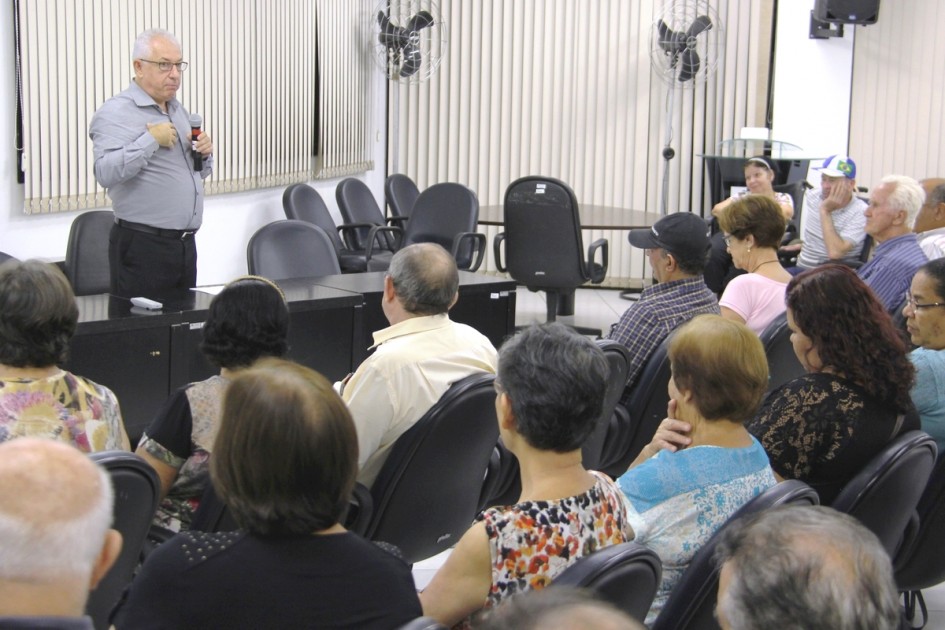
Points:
[(676, 246)]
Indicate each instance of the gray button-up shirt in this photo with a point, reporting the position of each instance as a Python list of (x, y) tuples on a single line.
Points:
[(147, 183)]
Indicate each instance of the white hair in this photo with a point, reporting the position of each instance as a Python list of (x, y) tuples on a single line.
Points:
[(31, 549), (908, 195), (142, 47)]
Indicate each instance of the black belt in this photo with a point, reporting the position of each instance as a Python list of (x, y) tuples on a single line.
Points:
[(156, 231)]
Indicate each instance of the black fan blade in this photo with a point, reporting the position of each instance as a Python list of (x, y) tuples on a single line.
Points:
[(701, 23), (690, 65), (670, 40), (420, 20), (412, 61), (391, 35)]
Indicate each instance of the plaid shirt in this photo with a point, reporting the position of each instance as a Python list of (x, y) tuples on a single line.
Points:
[(659, 311)]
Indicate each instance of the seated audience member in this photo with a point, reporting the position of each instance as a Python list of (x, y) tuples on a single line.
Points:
[(801, 567), (759, 178), (702, 465), (38, 317), (247, 321), (284, 462), (55, 541), (897, 256), (925, 321), (834, 230), (753, 227), (417, 358), (930, 222), (559, 609), (549, 392), (824, 426), (676, 247)]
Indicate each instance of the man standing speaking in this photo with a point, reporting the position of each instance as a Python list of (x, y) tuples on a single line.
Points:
[(145, 159)]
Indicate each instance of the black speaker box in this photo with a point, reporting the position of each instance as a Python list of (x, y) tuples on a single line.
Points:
[(847, 11)]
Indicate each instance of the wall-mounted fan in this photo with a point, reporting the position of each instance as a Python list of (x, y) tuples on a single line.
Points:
[(686, 43)]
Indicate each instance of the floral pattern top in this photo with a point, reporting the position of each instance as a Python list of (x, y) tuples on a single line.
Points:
[(181, 436), (62, 407), (532, 542)]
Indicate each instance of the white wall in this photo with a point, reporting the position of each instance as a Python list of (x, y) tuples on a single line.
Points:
[(229, 220)]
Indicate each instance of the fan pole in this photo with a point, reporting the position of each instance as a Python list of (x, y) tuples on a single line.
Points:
[(395, 123), (668, 152)]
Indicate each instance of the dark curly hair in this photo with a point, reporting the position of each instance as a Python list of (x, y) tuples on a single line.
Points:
[(248, 319), (38, 314), (852, 332)]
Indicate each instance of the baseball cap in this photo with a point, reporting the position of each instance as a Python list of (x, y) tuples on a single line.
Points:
[(838, 166), (682, 233)]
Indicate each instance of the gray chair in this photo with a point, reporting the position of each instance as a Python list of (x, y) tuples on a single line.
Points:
[(608, 424), (291, 249), (358, 206), (544, 248), (303, 203), (627, 575), (783, 365), (87, 266), (401, 193), (136, 491)]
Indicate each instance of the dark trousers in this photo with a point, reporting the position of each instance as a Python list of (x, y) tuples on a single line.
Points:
[(143, 264)]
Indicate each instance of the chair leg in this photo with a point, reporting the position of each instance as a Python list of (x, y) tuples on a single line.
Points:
[(551, 302), (910, 600), (566, 303)]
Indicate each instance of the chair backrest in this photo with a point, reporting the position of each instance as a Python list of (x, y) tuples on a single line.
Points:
[(402, 193), (922, 564), (692, 602), (885, 493), (291, 249), (544, 247), (618, 360), (357, 205), (646, 406), (796, 190), (428, 490), (441, 213), (5, 257), (87, 266), (627, 575), (783, 365), (301, 202), (137, 491)]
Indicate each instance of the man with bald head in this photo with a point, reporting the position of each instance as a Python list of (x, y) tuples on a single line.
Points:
[(55, 538), (930, 222), (416, 358)]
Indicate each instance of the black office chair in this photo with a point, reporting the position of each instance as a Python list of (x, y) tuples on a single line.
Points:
[(448, 214), (783, 365), (358, 206), (608, 426), (136, 491), (427, 492), (627, 575), (86, 265), (291, 249), (503, 480), (401, 193), (303, 203), (646, 407), (544, 248), (884, 495), (921, 563), (692, 602)]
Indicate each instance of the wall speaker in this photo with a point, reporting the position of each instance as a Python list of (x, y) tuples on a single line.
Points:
[(847, 11)]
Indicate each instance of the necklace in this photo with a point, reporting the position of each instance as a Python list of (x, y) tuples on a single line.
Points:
[(762, 263)]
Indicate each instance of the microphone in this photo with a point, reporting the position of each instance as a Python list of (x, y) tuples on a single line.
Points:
[(195, 122)]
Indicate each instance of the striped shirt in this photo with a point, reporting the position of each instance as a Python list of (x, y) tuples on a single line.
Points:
[(890, 271), (849, 223)]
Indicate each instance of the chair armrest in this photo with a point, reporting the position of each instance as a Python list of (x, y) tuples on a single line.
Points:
[(374, 235), (604, 247), (497, 252), (350, 236), (360, 510), (479, 244), (397, 220)]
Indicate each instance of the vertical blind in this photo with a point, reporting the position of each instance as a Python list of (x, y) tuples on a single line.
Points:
[(564, 88), (252, 76)]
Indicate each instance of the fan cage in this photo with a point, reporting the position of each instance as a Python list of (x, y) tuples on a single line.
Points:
[(432, 41), (678, 16)]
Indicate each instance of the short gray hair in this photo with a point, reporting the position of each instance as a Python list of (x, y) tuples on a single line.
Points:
[(142, 47), (907, 195), (806, 567), (425, 278)]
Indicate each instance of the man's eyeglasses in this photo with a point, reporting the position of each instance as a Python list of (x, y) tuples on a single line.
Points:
[(165, 66), (911, 303)]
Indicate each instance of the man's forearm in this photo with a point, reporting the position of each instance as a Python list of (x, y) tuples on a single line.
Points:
[(837, 246)]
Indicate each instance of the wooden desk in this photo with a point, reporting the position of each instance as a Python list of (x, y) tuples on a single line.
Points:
[(593, 217)]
